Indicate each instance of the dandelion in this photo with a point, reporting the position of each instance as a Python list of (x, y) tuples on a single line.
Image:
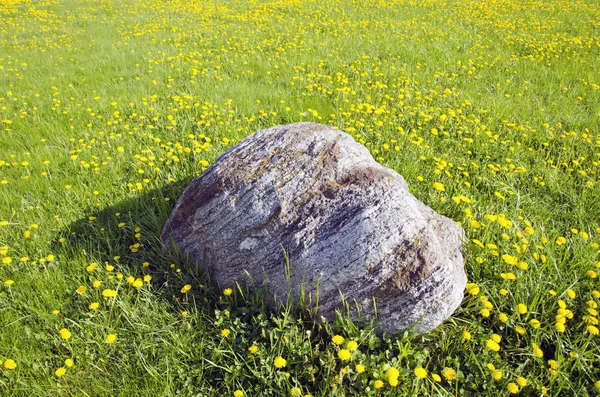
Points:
[(537, 351), (439, 186), (109, 293), (592, 330), (279, 362), (449, 374), (138, 283), (93, 305), (227, 291), (436, 377), (492, 345), (238, 393), (561, 240), (295, 392), (521, 381), (110, 338), (512, 388), (572, 294), (472, 288), (69, 362), (186, 288), (10, 364), (521, 308), (225, 333), (466, 335), (344, 355), (337, 339), (81, 290), (352, 345), (378, 384), (64, 333), (359, 368), (420, 373), (60, 372), (253, 349)]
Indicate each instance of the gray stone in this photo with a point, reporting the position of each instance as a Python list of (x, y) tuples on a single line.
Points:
[(348, 225)]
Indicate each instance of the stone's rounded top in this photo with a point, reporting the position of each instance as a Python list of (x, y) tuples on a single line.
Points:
[(347, 224)]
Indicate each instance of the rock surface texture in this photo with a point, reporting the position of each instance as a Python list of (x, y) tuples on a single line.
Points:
[(348, 225)]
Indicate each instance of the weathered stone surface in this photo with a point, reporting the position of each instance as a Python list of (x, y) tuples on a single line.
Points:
[(347, 223)]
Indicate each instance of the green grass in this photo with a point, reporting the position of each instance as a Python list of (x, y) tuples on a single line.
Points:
[(109, 109)]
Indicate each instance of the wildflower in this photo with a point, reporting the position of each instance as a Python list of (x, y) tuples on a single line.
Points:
[(466, 335), (344, 355), (561, 240), (65, 333), (238, 393), (225, 333), (138, 283), (352, 345), (8, 283), (295, 391), (592, 330), (521, 381), (279, 362), (378, 384), (253, 349), (109, 293), (503, 292), (69, 362), (110, 338), (10, 364), (449, 374), (572, 294), (392, 373), (503, 317), (60, 372), (359, 368), (492, 345), (81, 290), (534, 323), (227, 291), (337, 339), (186, 288), (591, 274), (521, 308), (512, 388), (436, 377), (420, 373), (439, 186), (537, 351), (93, 305), (472, 288)]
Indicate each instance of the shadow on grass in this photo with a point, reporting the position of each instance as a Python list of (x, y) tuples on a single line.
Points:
[(127, 236)]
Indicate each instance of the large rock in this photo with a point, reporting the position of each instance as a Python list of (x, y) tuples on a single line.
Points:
[(347, 224)]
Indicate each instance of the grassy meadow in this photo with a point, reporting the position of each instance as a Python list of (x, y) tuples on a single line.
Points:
[(108, 109)]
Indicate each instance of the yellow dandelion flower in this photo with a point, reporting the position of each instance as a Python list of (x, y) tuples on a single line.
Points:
[(60, 372), (466, 335), (238, 393), (392, 373), (227, 291), (439, 186), (436, 377), (344, 355), (521, 308), (572, 294), (378, 384), (225, 333), (592, 330), (64, 333), (492, 345), (512, 388), (352, 345), (561, 240), (420, 373), (337, 339), (186, 288), (81, 290), (279, 362), (472, 288), (521, 381), (110, 338), (449, 374), (10, 364), (93, 305), (69, 362), (253, 349), (359, 368)]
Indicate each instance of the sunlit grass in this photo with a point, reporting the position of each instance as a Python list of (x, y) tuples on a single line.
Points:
[(490, 110)]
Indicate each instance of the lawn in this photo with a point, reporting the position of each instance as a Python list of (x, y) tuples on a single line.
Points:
[(108, 109)]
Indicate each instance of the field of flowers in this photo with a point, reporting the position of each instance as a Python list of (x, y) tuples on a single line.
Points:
[(108, 109)]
